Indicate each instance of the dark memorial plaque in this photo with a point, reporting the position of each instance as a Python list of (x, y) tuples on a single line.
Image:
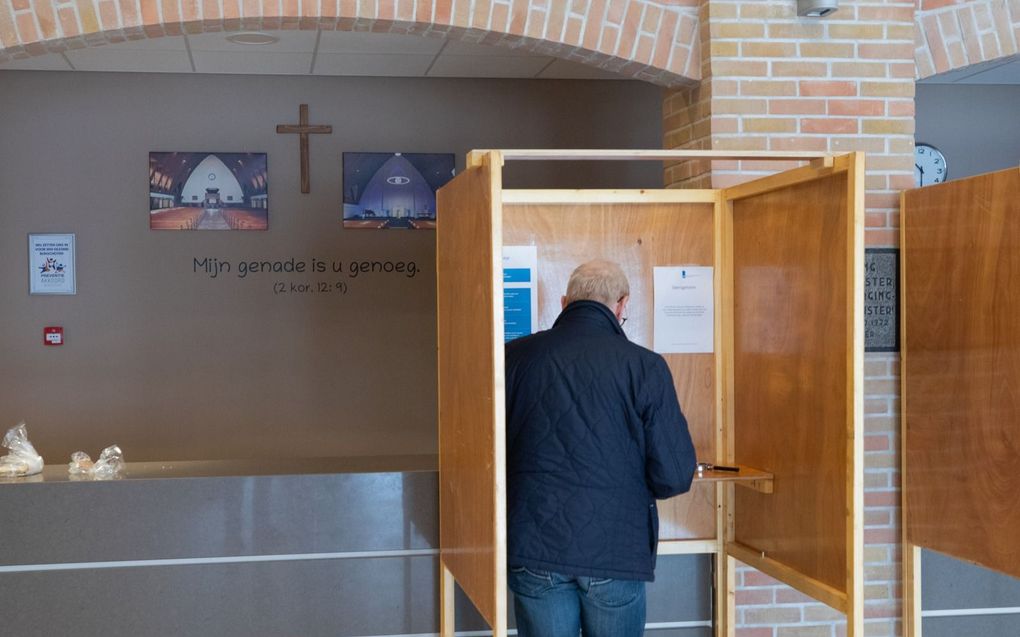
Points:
[(881, 300)]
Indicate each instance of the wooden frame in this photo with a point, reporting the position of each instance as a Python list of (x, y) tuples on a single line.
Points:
[(645, 223), (815, 457), (960, 366), (471, 395)]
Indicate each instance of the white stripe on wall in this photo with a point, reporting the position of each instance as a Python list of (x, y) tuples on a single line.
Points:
[(294, 557), (513, 631), (237, 559), (968, 612)]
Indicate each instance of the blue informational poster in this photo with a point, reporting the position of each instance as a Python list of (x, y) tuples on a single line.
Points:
[(516, 313), (520, 291)]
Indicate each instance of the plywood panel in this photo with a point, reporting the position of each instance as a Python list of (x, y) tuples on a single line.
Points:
[(472, 503), (639, 237), (961, 373), (793, 334)]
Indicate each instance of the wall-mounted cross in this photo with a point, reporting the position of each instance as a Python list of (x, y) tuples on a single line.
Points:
[(303, 128)]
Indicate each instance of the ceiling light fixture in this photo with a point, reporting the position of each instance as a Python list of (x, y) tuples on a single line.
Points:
[(816, 8), (252, 38)]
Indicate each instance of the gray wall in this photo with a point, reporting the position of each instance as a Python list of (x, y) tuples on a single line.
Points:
[(172, 364), (337, 555), (961, 599), (974, 125), (977, 128)]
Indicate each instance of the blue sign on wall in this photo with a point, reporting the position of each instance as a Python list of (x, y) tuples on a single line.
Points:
[(516, 313)]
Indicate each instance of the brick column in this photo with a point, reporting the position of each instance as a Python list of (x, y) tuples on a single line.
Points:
[(773, 81), (688, 115)]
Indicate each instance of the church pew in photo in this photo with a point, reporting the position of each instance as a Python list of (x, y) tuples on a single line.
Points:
[(239, 219), (367, 224), (175, 219)]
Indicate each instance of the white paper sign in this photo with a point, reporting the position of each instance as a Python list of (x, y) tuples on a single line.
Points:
[(684, 310), (51, 264), (520, 291)]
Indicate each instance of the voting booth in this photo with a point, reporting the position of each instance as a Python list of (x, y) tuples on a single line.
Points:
[(961, 374), (778, 392)]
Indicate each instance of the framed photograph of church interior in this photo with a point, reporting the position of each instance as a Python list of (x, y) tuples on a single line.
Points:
[(208, 191), (393, 190)]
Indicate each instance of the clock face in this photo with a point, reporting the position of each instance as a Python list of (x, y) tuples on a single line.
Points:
[(929, 165)]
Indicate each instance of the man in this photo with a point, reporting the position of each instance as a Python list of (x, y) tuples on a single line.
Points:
[(594, 435)]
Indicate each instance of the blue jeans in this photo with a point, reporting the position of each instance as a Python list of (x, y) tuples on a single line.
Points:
[(554, 605)]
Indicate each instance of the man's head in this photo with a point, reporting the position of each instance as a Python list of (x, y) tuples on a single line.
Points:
[(599, 280)]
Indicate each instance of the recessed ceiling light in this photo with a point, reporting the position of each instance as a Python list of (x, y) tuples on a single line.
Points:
[(252, 37)]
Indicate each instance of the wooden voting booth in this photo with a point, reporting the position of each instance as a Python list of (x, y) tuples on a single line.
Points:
[(961, 376), (781, 395)]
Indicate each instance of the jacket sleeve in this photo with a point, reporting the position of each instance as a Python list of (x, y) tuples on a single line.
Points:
[(670, 460)]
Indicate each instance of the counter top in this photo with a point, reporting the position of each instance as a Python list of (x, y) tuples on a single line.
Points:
[(55, 473)]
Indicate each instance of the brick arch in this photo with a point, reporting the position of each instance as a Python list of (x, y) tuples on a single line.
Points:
[(643, 39), (952, 34)]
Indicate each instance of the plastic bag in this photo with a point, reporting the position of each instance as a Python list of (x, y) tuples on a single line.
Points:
[(110, 462), (81, 464), (109, 465), (23, 460)]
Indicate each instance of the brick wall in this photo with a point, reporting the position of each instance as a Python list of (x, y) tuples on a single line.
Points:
[(772, 81), (644, 39), (952, 34), (687, 113)]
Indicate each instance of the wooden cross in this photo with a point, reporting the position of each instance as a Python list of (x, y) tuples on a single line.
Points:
[(303, 128)]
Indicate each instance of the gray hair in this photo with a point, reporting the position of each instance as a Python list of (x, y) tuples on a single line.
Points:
[(598, 280)]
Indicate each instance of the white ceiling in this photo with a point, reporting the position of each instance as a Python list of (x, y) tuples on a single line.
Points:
[(314, 53), (370, 54), (1004, 71)]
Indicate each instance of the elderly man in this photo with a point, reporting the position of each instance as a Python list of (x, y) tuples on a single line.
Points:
[(594, 435)]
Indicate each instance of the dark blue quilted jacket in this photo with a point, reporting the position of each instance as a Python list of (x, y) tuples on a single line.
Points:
[(594, 435)]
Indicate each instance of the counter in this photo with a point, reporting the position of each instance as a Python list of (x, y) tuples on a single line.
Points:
[(342, 547)]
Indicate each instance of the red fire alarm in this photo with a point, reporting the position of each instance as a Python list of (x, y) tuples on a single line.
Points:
[(53, 336)]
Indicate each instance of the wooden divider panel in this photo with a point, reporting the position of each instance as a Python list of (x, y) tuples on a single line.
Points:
[(638, 236), (472, 498), (792, 319), (961, 276)]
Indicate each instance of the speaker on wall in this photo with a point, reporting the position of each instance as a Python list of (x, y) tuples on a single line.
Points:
[(816, 8)]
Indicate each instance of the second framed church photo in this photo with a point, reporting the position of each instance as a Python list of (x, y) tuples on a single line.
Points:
[(208, 191), (393, 190)]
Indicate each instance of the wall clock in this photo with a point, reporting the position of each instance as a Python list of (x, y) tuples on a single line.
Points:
[(929, 165)]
